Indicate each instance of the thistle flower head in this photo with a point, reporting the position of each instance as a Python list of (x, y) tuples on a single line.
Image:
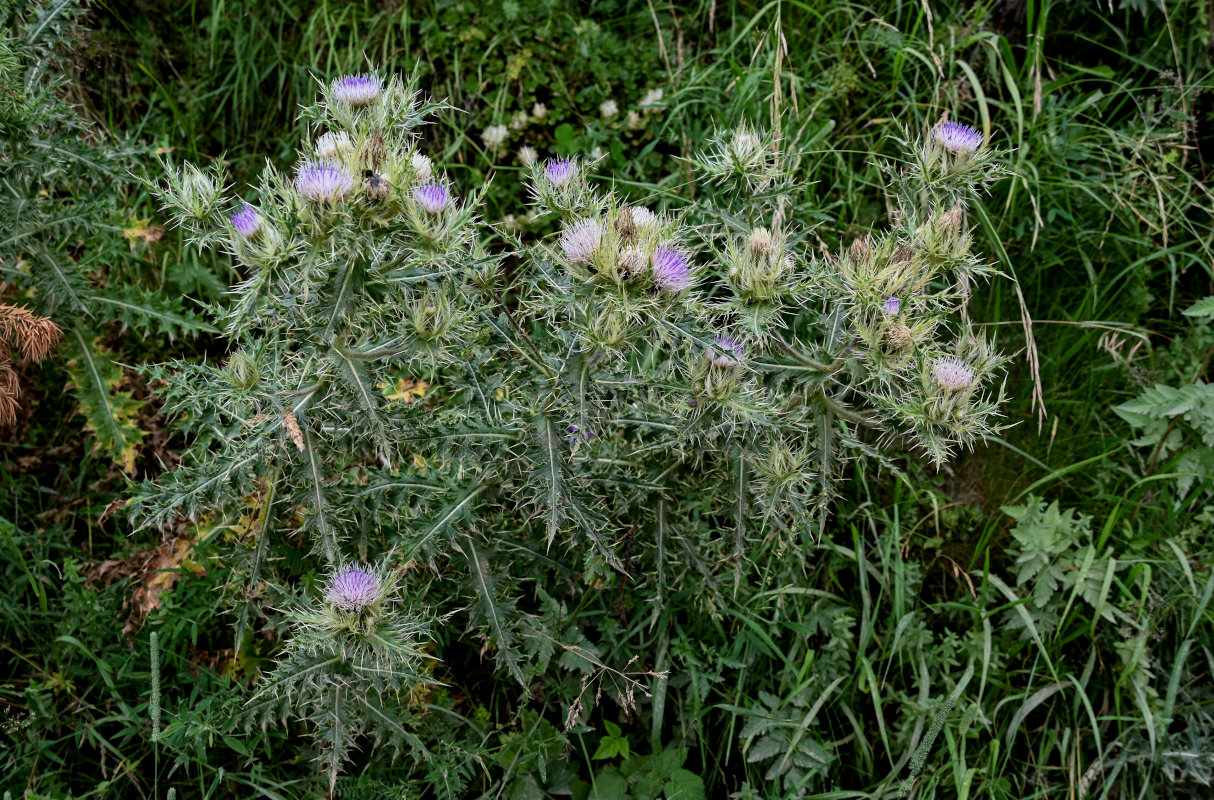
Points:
[(560, 171), (951, 375), (423, 167), (581, 240), (322, 183), (632, 261), (761, 242), (353, 588), (899, 337), (643, 218), (957, 138), (731, 352), (671, 270), (333, 145), (246, 221), (891, 306), (355, 90), (432, 198)]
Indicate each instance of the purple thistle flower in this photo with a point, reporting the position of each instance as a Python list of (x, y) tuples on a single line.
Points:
[(433, 198), (952, 375), (731, 355), (572, 433), (246, 222), (355, 90), (322, 183), (671, 270), (957, 138), (353, 588), (892, 306), (560, 171)]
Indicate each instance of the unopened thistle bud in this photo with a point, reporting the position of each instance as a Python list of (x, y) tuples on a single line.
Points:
[(334, 145), (355, 90), (625, 226), (950, 221), (581, 240), (859, 251), (319, 182), (902, 255), (241, 371), (432, 198), (899, 337), (374, 150), (671, 270), (951, 375), (246, 222), (957, 138)]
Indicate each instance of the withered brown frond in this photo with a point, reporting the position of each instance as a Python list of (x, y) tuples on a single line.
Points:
[(36, 336)]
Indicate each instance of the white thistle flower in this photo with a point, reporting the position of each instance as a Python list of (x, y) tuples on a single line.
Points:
[(581, 240), (952, 375), (334, 145), (423, 167)]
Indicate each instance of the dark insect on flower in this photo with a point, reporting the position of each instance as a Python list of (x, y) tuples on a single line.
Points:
[(377, 185)]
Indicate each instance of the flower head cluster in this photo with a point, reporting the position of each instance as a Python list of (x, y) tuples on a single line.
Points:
[(432, 198), (355, 90), (952, 375), (671, 270), (581, 240), (323, 183), (957, 138), (353, 588), (246, 221)]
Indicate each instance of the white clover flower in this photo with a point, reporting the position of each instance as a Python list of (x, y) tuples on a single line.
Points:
[(652, 100), (609, 108), (519, 121), (527, 155), (539, 111), (334, 145), (581, 240), (494, 136), (633, 121), (952, 375), (596, 154), (423, 167)]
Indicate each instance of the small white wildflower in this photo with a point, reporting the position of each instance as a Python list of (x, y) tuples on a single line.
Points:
[(494, 136), (643, 218), (633, 121), (539, 111), (652, 100), (519, 121), (527, 155), (609, 108), (596, 154)]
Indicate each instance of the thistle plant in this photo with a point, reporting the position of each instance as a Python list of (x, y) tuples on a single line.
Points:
[(589, 393)]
